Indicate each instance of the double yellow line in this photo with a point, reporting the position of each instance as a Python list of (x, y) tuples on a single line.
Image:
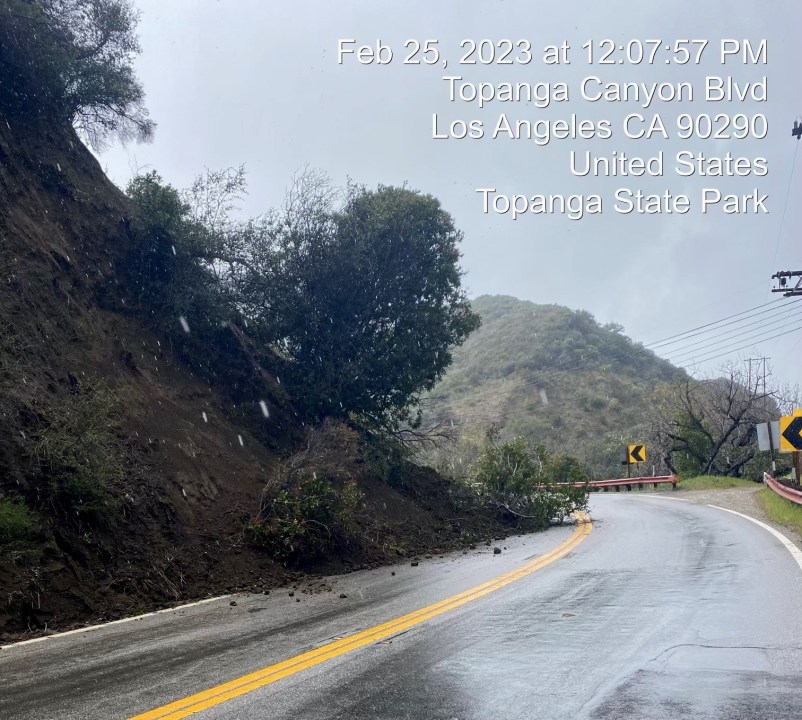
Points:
[(246, 683)]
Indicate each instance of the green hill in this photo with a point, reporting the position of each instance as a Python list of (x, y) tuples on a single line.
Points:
[(553, 375)]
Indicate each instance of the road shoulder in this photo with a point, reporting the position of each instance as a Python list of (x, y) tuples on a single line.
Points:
[(740, 499)]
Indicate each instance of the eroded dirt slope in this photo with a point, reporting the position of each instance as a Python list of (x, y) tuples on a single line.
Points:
[(84, 383)]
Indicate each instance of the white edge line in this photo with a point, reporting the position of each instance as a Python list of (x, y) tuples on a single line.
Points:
[(796, 553), (91, 628), (650, 496)]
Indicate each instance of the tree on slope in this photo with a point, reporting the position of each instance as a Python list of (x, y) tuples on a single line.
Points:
[(357, 295), (707, 426), (366, 301), (73, 60)]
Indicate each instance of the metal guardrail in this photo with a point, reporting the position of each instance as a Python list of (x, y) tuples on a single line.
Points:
[(629, 483), (795, 496)]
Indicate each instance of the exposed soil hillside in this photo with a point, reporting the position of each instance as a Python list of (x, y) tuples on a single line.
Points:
[(85, 386)]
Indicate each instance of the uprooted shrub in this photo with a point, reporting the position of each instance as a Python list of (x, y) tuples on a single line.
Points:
[(309, 505), (527, 486)]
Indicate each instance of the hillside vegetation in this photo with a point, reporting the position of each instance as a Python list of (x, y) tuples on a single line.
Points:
[(191, 403), (552, 375)]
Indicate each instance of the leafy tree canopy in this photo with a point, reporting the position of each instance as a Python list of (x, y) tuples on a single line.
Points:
[(367, 301), (357, 293), (72, 60)]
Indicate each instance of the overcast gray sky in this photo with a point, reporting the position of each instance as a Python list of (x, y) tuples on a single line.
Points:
[(258, 83)]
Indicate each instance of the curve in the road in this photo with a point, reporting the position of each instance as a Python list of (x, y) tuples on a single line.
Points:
[(247, 683)]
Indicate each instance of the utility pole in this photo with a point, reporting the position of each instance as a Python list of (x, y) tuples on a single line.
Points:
[(759, 377), (783, 276)]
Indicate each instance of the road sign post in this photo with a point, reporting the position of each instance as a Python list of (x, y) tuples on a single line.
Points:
[(796, 458), (771, 448), (635, 455), (768, 440)]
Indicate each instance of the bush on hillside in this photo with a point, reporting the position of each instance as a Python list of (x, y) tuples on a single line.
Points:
[(309, 506), (17, 522), (77, 450)]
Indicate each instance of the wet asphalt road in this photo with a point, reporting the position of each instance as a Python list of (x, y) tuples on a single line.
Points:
[(666, 610)]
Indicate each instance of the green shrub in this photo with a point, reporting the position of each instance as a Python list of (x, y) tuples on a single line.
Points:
[(309, 506), (304, 521), (562, 468), (17, 522), (464, 494), (526, 485), (77, 450)]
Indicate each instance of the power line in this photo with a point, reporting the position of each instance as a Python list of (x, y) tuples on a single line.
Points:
[(695, 361), (785, 207), (687, 333), (681, 351)]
